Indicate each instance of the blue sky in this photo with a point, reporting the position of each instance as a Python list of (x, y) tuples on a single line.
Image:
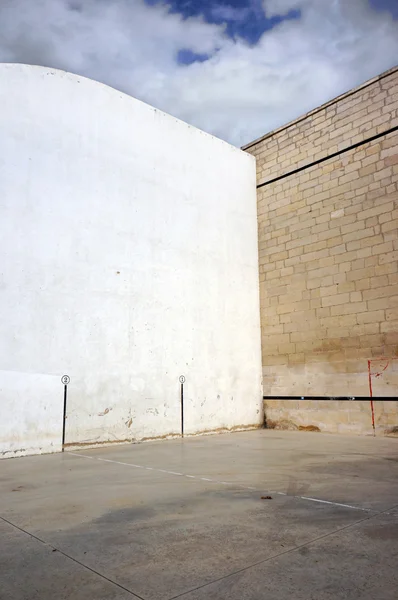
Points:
[(234, 68), (245, 19), (388, 5)]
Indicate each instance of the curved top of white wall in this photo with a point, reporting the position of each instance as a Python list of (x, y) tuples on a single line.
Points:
[(57, 86), (130, 258)]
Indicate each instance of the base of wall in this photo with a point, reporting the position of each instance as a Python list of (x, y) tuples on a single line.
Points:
[(169, 436), (103, 444), (332, 416)]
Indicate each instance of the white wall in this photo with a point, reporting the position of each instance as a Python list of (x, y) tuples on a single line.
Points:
[(128, 258)]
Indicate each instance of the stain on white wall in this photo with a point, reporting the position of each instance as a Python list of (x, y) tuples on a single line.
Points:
[(129, 258)]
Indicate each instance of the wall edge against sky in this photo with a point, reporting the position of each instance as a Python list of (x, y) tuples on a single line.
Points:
[(314, 111)]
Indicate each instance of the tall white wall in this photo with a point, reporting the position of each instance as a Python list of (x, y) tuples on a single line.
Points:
[(128, 258)]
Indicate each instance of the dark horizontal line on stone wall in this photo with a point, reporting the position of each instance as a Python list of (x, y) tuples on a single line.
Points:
[(329, 157), (347, 398)]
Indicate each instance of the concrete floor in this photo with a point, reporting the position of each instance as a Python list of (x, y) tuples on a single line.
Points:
[(186, 519)]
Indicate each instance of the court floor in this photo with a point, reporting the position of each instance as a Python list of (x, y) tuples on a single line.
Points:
[(191, 519)]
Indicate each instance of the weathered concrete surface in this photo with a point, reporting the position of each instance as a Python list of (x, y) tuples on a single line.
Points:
[(333, 416), (130, 258), (185, 518)]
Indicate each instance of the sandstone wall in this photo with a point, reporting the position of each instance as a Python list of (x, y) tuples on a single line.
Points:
[(328, 247)]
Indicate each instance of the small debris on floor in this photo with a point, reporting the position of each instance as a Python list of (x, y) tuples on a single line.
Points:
[(309, 428), (266, 497)]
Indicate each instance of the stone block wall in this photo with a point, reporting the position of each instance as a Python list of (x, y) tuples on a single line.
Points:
[(328, 255)]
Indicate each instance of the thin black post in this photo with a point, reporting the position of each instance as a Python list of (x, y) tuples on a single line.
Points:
[(64, 420), (182, 410), (182, 380), (65, 379)]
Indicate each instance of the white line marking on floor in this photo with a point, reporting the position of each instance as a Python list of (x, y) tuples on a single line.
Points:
[(333, 503), (111, 461), (245, 487), (118, 462)]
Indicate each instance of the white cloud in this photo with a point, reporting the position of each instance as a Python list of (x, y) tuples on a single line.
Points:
[(241, 92), (283, 7), (229, 13)]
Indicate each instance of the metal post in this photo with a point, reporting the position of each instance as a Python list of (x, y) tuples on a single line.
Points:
[(182, 381), (64, 419), (65, 379)]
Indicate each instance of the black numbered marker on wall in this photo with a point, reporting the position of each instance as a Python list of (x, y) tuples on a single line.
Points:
[(182, 381), (65, 379)]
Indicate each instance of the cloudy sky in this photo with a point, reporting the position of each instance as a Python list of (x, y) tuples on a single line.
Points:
[(235, 68)]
